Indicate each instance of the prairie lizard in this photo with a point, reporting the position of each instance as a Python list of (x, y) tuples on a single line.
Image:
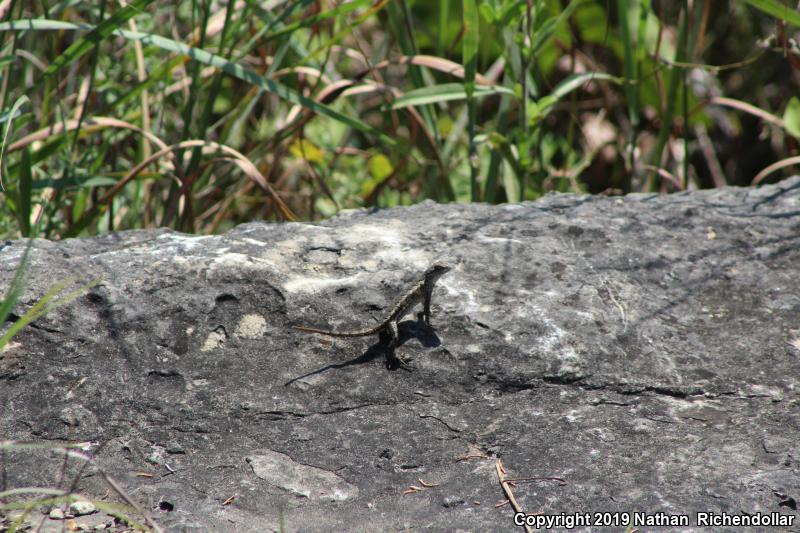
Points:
[(419, 292)]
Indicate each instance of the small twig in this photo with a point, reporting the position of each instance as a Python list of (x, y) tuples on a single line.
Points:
[(130, 501), (666, 175), (501, 475), (528, 479), (773, 167)]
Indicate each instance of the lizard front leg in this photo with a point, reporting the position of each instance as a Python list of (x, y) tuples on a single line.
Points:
[(426, 302)]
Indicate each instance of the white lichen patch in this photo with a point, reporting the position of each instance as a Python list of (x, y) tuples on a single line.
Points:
[(184, 242), (232, 259), (197, 383), (214, 340), (321, 284), (383, 236), (251, 326)]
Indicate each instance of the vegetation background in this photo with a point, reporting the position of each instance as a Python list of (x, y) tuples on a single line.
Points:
[(203, 114)]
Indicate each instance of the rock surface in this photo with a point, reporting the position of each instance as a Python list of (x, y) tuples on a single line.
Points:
[(621, 355)]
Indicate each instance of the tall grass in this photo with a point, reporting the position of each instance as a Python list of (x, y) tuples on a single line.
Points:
[(201, 115)]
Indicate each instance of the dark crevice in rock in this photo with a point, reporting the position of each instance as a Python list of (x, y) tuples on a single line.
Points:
[(445, 424)]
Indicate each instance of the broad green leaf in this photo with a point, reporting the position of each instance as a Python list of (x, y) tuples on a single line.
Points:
[(511, 182), (791, 117), (539, 109), (380, 167), (305, 149)]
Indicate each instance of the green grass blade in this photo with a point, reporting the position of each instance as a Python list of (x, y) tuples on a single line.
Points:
[(159, 74), (96, 36), (20, 491), (326, 46), (46, 445), (7, 116), (496, 159), (549, 27), (402, 24), (44, 306), (88, 181), (24, 194), (676, 76), (444, 18), (341, 9), (777, 9), (9, 119), (35, 311), (630, 86), (15, 287), (214, 60), (575, 81), (540, 108), (444, 93), (469, 51), (469, 42), (258, 36)]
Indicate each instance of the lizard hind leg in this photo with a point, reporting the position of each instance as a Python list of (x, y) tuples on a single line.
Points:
[(390, 337)]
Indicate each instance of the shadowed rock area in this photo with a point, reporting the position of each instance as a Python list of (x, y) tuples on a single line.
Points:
[(619, 355)]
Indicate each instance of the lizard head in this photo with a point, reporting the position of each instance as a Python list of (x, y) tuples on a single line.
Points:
[(437, 271)]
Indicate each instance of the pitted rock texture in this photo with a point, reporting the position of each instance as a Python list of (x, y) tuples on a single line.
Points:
[(643, 350)]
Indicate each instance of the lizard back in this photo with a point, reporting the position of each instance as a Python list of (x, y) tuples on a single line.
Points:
[(415, 294)]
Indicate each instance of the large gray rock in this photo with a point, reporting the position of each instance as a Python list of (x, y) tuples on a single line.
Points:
[(643, 349)]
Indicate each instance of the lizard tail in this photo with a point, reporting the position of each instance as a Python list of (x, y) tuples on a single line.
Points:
[(336, 333)]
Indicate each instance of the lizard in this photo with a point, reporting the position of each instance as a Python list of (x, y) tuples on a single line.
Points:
[(419, 292)]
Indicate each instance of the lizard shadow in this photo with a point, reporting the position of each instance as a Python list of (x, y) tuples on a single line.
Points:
[(407, 330)]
